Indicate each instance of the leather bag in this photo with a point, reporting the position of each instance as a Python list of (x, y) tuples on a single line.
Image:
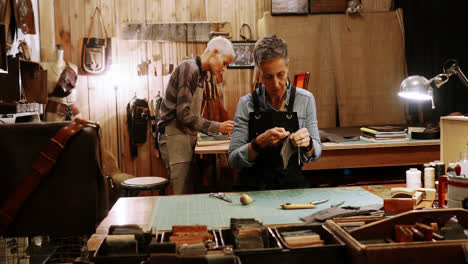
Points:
[(96, 52), (137, 123), (66, 82), (212, 108)]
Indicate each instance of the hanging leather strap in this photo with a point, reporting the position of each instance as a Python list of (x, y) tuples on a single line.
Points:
[(40, 168), (98, 11)]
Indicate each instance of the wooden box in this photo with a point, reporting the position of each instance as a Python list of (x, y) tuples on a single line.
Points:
[(453, 138), (442, 251), (333, 250), (276, 252)]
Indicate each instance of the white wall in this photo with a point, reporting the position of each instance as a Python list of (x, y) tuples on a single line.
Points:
[(32, 40)]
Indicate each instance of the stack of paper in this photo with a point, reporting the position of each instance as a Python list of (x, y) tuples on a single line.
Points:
[(384, 134)]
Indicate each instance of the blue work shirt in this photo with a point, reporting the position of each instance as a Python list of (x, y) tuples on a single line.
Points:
[(304, 105)]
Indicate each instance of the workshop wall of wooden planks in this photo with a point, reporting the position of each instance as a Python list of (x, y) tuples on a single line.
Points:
[(66, 22), (343, 68)]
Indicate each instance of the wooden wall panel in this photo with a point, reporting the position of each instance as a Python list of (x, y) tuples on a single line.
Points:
[(369, 63), (230, 87), (309, 46), (77, 32), (102, 101), (155, 82), (213, 10), (337, 60), (47, 30), (123, 16), (376, 5), (62, 27)]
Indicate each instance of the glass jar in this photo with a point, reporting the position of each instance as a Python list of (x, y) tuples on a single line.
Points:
[(451, 169), (463, 162)]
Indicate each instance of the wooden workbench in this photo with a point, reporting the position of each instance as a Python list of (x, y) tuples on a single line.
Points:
[(138, 210), (362, 154)]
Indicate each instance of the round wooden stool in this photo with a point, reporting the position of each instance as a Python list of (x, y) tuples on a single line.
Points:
[(134, 185)]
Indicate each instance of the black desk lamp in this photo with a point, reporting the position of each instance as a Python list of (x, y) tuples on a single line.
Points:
[(418, 88)]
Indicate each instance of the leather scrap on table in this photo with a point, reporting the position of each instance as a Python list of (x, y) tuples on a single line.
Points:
[(335, 138), (345, 211)]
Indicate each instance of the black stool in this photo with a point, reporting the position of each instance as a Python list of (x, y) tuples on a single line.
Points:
[(134, 185)]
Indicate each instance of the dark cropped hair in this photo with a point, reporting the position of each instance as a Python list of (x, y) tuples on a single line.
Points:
[(268, 48)]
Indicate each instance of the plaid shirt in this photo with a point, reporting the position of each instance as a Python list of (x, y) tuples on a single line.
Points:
[(177, 101)]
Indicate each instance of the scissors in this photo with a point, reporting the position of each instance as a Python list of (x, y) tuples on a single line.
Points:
[(221, 195)]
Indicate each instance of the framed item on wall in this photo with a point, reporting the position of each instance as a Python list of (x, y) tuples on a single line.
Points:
[(3, 50), (327, 6), (243, 55), (289, 7)]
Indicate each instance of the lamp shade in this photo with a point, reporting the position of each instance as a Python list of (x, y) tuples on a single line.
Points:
[(416, 87)]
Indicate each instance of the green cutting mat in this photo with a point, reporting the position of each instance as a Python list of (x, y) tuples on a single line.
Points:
[(200, 209)]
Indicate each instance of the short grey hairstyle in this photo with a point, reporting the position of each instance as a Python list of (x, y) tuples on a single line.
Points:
[(268, 48), (223, 45)]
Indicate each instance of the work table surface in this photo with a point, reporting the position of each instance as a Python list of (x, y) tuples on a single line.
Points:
[(138, 210)]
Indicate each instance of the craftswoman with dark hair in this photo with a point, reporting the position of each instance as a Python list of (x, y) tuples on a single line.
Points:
[(274, 122)]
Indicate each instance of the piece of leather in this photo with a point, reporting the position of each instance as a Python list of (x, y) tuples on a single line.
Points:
[(213, 109), (10, 82), (25, 16), (96, 55), (40, 169), (72, 199), (398, 205), (329, 213), (66, 82), (34, 81), (137, 123)]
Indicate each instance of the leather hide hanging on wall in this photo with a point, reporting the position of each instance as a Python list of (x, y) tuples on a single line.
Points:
[(24, 15)]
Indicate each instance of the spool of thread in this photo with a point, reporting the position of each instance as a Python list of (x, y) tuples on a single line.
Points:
[(429, 177), (439, 169), (413, 178)]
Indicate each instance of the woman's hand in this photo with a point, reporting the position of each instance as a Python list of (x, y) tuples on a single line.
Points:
[(226, 127), (272, 137), (300, 138)]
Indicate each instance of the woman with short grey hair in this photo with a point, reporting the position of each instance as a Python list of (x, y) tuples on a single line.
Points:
[(275, 127)]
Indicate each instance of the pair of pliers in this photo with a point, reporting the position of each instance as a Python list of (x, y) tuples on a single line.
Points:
[(221, 195)]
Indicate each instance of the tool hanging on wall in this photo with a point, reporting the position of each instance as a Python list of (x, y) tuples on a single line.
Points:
[(193, 41), (155, 111), (186, 41), (243, 34)]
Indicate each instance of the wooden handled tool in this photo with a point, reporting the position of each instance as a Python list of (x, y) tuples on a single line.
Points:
[(302, 206), (297, 206)]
